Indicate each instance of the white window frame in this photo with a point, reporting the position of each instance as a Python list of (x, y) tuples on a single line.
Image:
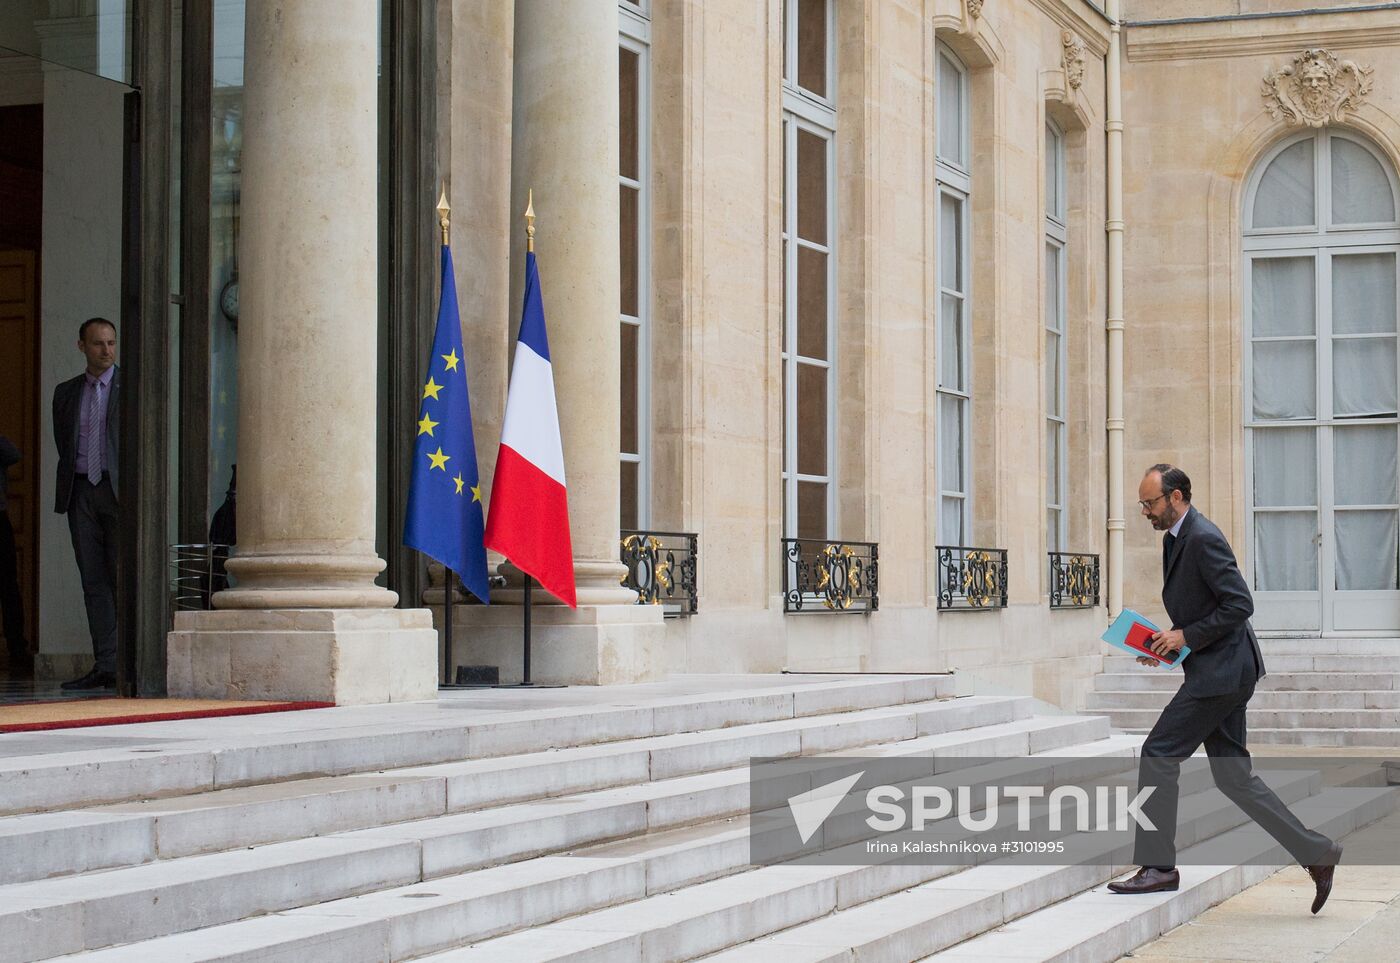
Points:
[(955, 180), (634, 34), (1056, 315), (806, 111)]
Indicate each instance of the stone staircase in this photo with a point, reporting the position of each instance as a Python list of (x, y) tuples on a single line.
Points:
[(1318, 692), (610, 832)]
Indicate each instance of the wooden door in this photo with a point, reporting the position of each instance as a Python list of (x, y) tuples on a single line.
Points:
[(19, 333)]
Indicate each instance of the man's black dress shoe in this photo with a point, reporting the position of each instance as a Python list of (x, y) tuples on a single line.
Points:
[(96, 679), (1322, 875), (1147, 880)]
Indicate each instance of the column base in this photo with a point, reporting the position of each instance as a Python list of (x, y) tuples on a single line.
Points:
[(345, 656), (590, 645)]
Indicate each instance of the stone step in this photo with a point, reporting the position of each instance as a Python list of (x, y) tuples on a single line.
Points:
[(341, 740), (1140, 677), (1257, 719), (1285, 663), (794, 913), (1278, 699), (47, 844), (454, 844), (1101, 926), (1307, 646), (519, 894), (1378, 738)]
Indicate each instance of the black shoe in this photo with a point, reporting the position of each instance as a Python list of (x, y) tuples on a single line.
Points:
[(1148, 880), (96, 679), (1322, 875)]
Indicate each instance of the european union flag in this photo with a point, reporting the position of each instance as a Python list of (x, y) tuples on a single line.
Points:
[(445, 519)]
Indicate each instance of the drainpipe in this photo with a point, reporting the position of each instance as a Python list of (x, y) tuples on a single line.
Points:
[(1113, 128)]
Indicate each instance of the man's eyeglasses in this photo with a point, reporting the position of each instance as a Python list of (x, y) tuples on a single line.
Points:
[(1147, 505)]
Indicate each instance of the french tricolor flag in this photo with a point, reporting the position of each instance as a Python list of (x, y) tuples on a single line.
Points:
[(529, 518)]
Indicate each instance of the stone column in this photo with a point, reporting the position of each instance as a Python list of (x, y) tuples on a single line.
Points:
[(307, 385), (564, 147)]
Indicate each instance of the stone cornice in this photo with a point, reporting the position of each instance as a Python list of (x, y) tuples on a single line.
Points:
[(1208, 40), (1081, 19)]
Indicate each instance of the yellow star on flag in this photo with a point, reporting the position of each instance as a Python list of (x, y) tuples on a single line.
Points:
[(426, 426), (438, 459), (460, 482), (451, 360), (476, 493), (431, 389)]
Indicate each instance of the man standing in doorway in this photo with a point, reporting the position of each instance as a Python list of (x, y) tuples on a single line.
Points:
[(1209, 605), (85, 431)]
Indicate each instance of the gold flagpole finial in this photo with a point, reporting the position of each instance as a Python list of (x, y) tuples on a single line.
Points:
[(530, 220), (444, 215)]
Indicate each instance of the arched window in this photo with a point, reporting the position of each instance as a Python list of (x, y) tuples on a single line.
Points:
[(1320, 246), (809, 247), (952, 153)]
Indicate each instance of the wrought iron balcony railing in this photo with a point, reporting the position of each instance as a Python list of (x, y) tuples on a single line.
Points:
[(661, 569), (1074, 580), (823, 576), (971, 578)]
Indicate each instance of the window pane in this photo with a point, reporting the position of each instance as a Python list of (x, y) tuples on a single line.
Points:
[(1366, 551), (1052, 530), (1285, 467), (628, 251), (1285, 380), (1285, 547), (811, 187), (628, 515), (1053, 432), (1053, 376), (1285, 196), (630, 334), (1364, 465), (1363, 377), (1363, 293), (811, 419), (1282, 294), (628, 92), (950, 444), (950, 210), (950, 343), (1052, 172), (950, 522), (1361, 192), (811, 46), (811, 509), (811, 303), (950, 120), (1053, 254)]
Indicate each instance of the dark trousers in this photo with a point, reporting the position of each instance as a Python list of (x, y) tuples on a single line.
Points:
[(11, 605), (92, 521), (1219, 722)]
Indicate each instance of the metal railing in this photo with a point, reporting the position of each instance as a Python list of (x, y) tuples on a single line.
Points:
[(971, 578), (1074, 580), (661, 569), (828, 576)]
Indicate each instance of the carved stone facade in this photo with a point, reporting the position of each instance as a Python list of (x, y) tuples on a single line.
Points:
[(1316, 89), (974, 9), (1073, 59)]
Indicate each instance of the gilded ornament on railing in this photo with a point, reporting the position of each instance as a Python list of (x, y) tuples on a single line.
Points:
[(1074, 580), (1316, 89), (1077, 581), (661, 569), (971, 578), (979, 581), (840, 575)]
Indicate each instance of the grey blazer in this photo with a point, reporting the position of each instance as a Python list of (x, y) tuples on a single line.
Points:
[(67, 404), (1207, 598)]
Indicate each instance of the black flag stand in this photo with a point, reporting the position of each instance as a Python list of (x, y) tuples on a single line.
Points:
[(525, 682)]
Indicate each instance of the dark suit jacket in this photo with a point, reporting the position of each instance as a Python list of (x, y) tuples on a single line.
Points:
[(67, 405), (1208, 599)]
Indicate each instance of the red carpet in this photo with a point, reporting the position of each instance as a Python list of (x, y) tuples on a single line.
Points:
[(81, 713)]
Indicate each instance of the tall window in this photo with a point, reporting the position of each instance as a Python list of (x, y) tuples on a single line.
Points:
[(809, 133), (953, 157), (634, 195), (1056, 444)]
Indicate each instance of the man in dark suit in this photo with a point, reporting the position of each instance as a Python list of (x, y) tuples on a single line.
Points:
[(85, 430), (1209, 604)]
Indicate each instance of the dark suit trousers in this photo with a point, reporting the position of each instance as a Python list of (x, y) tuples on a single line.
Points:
[(92, 521), (11, 604), (1219, 722)]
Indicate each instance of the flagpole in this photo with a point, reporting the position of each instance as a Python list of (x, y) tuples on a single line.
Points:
[(445, 222)]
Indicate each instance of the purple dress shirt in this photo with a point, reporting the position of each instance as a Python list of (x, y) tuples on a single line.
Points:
[(92, 418)]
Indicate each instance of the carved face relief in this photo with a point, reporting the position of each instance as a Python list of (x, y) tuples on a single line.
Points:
[(1316, 89)]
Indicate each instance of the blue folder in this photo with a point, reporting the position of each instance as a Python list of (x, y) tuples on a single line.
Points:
[(1116, 635)]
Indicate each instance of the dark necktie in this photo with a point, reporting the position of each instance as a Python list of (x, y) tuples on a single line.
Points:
[(1167, 544)]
